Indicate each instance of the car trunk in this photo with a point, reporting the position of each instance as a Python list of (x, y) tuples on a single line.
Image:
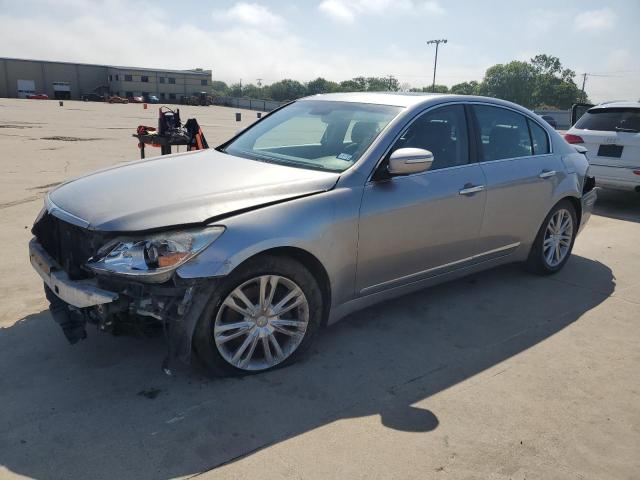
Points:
[(614, 149)]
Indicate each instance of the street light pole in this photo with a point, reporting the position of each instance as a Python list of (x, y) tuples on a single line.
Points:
[(435, 61)]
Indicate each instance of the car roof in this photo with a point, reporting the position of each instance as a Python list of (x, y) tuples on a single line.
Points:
[(408, 99), (617, 104), (400, 99)]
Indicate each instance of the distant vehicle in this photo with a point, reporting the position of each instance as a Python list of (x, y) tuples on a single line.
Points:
[(92, 97), (325, 206), (550, 120), (136, 99), (117, 99), (611, 134), (38, 96), (153, 99)]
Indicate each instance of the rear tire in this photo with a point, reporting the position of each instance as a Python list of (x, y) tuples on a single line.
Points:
[(554, 242), (269, 333)]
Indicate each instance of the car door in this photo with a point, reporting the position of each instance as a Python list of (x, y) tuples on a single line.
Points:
[(521, 173), (415, 226)]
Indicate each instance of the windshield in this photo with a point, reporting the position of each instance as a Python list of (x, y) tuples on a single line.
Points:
[(314, 134), (611, 120)]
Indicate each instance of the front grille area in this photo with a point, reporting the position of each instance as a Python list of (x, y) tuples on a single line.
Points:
[(69, 245)]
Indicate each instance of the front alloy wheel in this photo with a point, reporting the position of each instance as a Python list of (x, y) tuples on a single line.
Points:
[(262, 316), (261, 322)]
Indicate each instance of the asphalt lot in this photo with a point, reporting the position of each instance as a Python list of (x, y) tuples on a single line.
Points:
[(501, 375)]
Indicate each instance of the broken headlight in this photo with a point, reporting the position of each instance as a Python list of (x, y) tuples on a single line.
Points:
[(154, 257)]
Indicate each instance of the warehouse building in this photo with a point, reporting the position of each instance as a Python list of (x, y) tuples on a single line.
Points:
[(65, 80)]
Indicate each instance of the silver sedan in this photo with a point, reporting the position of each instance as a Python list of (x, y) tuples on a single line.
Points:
[(325, 206)]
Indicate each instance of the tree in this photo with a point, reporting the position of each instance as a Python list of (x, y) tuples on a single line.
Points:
[(542, 81), (252, 91), (554, 85), (466, 88), (357, 84), (219, 88), (430, 89), (287, 89), (381, 84), (320, 85), (513, 81), (235, 90)]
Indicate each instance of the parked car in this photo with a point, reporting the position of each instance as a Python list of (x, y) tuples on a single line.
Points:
[(92, 97), (117, 99), (611, 134), (136, 99), (323, 207), (38, 96), (153, 99), (550, 120)]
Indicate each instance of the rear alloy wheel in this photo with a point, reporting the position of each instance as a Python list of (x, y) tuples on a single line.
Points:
[(558, 237), (261, 317), (554, 242)]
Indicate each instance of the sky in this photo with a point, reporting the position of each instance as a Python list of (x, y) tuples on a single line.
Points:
[(335, 39)]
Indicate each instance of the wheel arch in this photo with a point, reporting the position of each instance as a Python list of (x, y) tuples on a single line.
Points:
[(311, 263), (577, 205)]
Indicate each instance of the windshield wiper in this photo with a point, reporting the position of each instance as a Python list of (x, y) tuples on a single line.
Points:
[(628, 130)]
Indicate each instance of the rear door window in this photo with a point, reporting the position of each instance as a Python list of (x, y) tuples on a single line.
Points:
[(611, 120), (539, 138), (503, 133)]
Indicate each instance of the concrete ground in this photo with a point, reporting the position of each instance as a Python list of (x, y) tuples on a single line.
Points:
[(502, 375)]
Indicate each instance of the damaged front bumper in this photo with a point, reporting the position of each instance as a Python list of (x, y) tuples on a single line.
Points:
[(108, 302), (80, 294)]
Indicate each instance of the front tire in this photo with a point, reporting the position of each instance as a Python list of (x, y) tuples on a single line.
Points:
[(263, 316), (553, 244)]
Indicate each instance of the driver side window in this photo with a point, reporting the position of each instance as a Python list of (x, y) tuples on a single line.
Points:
[(443, 132)]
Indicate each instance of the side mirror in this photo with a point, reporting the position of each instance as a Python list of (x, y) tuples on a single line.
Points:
[(406, 161)]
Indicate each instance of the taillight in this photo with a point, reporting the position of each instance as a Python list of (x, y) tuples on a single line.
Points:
[(570, 138), (636, 172)]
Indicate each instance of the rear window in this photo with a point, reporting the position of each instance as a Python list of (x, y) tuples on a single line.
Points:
[(611, 120)]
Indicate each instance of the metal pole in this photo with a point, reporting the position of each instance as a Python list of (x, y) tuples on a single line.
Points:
[(435, 66), (435, 60), (584, 80)]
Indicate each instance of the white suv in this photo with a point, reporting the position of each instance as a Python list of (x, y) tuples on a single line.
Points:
[(611, 134)]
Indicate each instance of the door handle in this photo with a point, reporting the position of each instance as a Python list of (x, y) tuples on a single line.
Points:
[(547, 174), (471, 190)]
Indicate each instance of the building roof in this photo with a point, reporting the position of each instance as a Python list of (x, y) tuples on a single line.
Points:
[(144, 69)]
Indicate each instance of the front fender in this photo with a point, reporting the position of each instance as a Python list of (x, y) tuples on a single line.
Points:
[(324, 225)]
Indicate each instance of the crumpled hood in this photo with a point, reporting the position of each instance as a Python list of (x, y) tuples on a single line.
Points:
[(181, 189)]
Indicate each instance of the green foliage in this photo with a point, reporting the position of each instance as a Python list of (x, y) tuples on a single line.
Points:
[(252, 91), (320, 85), (466, 88), (431, 89), (541, 81), (235, 90), (512, 81), (287, 89), (219, 88)]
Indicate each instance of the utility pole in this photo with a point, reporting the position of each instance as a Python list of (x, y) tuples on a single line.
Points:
[(390, 80), (259, 81), (435, 62), (584, 80)]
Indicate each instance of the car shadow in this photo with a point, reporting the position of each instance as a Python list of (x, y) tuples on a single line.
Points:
[(618, 204), (103, 409)]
